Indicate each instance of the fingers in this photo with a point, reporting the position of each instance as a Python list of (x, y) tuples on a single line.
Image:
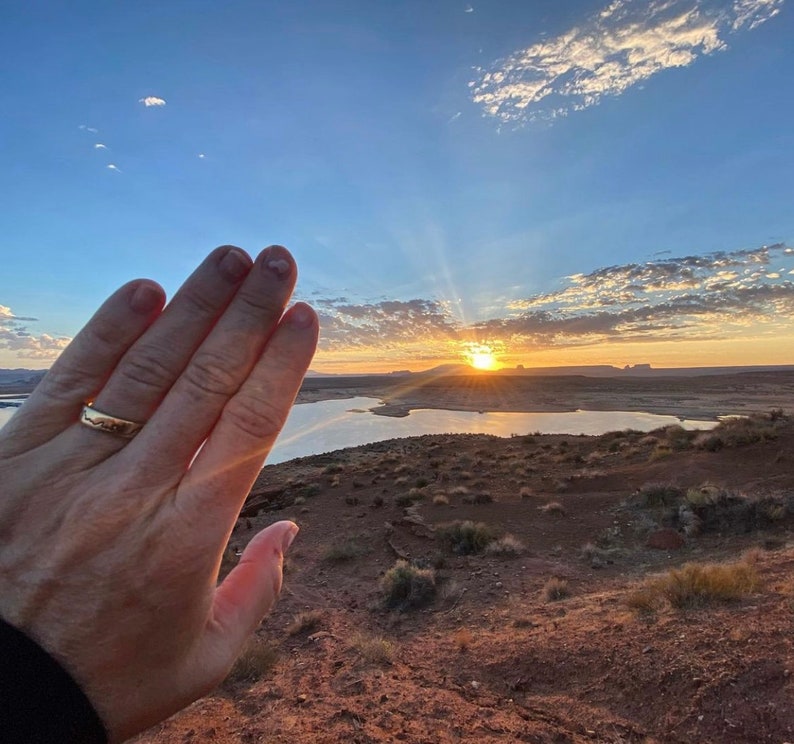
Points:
[(225, 469), (224, 361), (149, 368), (247, 594), (85, 365)]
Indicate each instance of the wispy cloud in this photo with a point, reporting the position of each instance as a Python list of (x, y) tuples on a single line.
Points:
[(721, 295), (150, 101), (621, 46), (14, 336), (90, 130), (100, 146), (113, 167)]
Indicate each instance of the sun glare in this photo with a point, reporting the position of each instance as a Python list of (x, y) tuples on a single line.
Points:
[(481, 357)]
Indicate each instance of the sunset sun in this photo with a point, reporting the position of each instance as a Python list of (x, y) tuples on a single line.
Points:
[(481, 357)]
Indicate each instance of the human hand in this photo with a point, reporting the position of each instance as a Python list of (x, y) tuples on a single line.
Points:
[(110, 547)]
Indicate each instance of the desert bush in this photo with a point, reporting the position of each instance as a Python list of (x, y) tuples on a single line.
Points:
[(440, 499), (740, 431), (555, 589), (508, 546), (304, 622), (699, 584), (459, 491), (652, 495), (704, 495), (333, 468), (553, 507), (422, 482), (466, 537), (256, 659), (525, 493), (347, 550), (401, 481), (373, 649), (405, 586)]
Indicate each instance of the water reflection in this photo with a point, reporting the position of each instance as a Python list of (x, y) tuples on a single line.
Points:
[(313, 428)]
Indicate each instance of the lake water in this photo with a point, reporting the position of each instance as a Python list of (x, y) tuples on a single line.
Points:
[(314, 428)]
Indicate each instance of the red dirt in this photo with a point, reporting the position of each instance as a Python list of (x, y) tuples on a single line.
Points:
[(582, 669)]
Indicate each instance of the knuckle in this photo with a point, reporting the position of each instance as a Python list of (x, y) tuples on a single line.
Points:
[(255, 417), (212, 374), (259, 304), (148, 368)]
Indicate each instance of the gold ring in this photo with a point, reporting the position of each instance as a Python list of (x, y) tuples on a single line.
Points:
[(94, 419)]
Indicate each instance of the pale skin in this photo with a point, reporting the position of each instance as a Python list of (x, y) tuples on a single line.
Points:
[(109, 547)]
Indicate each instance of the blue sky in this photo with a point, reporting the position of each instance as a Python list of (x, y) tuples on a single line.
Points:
[(562, 183)]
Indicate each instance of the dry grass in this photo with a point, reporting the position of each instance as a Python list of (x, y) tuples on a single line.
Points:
[(373, 649), (555, 589), (305, 622), (459, 491), (440, 499), (255, 660), (526, 493), (508, 546), (405, 586), (697, 585), (466, 537), (553, 507)]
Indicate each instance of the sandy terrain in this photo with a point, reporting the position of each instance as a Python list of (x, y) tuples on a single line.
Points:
[(494, 656)]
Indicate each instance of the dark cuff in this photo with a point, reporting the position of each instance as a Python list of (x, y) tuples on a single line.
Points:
[(39, 702)]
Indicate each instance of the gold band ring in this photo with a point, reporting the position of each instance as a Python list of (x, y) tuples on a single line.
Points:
[(94, 419)]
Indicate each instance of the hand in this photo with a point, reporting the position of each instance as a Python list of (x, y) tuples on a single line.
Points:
[(110, 547)]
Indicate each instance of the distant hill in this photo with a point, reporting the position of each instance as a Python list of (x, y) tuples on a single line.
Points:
[(20, 380)]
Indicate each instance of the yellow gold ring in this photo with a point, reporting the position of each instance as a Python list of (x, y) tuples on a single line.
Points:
[(94, 419)]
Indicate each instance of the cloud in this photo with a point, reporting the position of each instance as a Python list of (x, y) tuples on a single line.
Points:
[(100, 146), (15, 337), (113, 167), (619, 47), (150, 101), (90, 130), (719, 295)]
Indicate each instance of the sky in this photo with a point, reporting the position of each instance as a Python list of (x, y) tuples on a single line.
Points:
[(505, 182)]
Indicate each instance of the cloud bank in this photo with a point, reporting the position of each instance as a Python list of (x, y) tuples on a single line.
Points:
[(15, 337), (623, 45), (717, 296)]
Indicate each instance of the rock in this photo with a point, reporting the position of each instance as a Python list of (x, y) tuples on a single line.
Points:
[(665, 539)]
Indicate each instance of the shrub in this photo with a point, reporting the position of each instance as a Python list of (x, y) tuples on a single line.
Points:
[(466, 537), (525, 493), (459, 491), (553, 507), (405, 586), (333, 468), (421, 482), (256, 659), (699, 584), (659, 494), (373, 649), (440, 499), (555, 589), (304, 622), (508, 546)]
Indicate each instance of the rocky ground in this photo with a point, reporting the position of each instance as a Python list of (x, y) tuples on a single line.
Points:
[(560, 629)]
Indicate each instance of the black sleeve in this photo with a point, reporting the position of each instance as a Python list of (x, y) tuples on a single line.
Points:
[(39, 702)]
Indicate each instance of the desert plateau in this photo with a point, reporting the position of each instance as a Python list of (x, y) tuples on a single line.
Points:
[(629, 587)]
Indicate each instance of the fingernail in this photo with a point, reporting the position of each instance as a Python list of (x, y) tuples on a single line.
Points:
[(278, 261), (234, 265), (288, 537), (301, 316), (145, 299)]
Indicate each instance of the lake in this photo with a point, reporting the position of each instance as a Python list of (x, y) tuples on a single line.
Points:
[(314, 428)]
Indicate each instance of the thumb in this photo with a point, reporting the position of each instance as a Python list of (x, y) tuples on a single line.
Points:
[(250, 590)]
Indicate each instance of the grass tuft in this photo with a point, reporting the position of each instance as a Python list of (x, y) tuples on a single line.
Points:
[(466, 537), (405, 586), (555, 589)]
